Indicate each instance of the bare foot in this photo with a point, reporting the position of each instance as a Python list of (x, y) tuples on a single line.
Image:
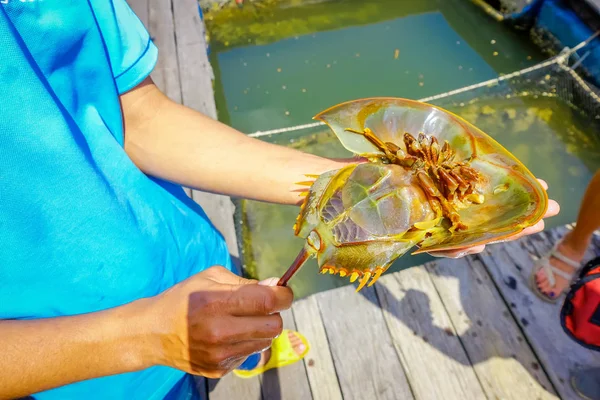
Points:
[(297, 345), (560, 283)]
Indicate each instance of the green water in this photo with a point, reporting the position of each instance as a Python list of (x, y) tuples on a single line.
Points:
[(301, 60), (298, 71)]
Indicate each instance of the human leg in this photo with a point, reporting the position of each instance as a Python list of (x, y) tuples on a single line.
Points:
[(563, 261)]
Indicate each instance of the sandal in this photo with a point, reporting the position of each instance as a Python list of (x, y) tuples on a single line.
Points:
[(282, 354), (551, 271)]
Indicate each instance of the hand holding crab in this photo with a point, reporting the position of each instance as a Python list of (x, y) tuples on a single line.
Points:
[(449, 191)]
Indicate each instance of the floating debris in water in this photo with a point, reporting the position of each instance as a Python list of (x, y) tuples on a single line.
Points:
[(284, 87), (574, 171), (495, 53), (245, 64), (421, 84), (268, 55), (287, 113), (396, 54), (328, 65), (529, 57), (421, 76), (458, 42), (357, 54), (303, 90), (492, 41), (460, 67), (487, 110), (278, 69)]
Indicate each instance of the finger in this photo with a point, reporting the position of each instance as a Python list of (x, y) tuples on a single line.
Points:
[(458, 253), (222, 275), (227, 357), (553, 209), (537, 228), (269, 282), (543, 183), (229, 329), (249, 300)]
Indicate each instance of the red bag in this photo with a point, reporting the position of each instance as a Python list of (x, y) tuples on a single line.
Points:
[(580, 314)]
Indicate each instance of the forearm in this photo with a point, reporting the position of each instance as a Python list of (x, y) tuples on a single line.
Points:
[(42, 354), (178, 144)]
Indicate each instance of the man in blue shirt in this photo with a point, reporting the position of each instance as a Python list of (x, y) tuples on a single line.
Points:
[(113, 283)]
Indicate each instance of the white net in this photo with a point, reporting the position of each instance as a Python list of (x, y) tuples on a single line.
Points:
[(556, 77)]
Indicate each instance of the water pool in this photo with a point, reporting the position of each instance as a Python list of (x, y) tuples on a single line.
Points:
[(407, 49), (413, 48)]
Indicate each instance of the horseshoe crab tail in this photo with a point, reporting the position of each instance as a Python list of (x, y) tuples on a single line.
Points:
[(302, 257)]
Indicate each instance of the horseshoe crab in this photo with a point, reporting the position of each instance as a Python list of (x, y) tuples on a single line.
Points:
[(432, 180)]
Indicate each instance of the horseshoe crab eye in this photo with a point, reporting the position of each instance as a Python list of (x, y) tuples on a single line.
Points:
[(314, 240)]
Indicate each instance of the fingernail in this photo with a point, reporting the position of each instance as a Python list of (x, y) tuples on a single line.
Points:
[(269, 282)]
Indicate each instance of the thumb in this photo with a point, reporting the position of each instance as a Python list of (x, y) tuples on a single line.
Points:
[(224, 276), (269, 282)]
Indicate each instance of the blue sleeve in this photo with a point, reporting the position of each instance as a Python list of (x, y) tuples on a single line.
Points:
[(132, 53)]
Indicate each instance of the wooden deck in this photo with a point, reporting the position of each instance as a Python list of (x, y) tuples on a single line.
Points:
[(451, 329)]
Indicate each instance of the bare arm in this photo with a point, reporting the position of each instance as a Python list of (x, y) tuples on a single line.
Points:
[(41, 354), (205, 325), (176, 143)]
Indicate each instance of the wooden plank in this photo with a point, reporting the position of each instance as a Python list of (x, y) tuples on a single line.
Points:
[(506, 366), (162, 29), (363, 351), (595, 4), (289, 382), (220, 210), (510, 265), (319, 361), (140, 8), (435, 362), (195, 75), (194, 66), (231, 387)]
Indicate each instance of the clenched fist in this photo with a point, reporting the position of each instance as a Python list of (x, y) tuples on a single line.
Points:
[(210, 323)]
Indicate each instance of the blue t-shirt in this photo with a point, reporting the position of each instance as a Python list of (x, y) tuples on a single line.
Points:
[(82, 229)]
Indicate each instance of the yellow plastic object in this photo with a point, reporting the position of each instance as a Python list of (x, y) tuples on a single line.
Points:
[(282, 354)]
